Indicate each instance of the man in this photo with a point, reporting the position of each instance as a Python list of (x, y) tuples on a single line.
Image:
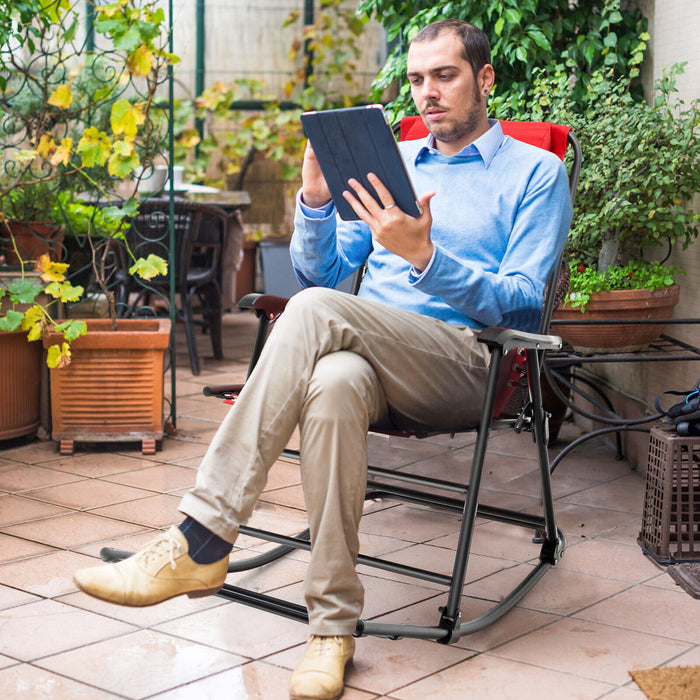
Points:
[(403, 351)]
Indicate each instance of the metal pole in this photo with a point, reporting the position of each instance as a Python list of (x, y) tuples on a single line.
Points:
[(200, 65), (308, 54), (171, 226), (89, 26)]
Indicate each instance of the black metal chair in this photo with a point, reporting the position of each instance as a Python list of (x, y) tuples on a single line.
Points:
[(199, 240)]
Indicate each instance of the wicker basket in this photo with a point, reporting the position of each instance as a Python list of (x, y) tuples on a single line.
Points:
[(670, 530)]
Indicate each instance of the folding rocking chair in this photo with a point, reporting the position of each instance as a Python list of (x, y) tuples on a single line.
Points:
[(515, 361)]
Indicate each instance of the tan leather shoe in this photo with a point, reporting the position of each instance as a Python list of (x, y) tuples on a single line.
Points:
[(161, 571), (319, 676)]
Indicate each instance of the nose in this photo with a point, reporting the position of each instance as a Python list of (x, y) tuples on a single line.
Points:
[(429, 89)]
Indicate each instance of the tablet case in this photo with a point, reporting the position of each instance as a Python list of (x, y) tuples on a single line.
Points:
[(352, 142)]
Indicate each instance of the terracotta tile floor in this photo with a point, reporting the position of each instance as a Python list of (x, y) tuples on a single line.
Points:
[(603, 610)]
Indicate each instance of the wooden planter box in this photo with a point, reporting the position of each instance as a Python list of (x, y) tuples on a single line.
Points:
[(113, 388)]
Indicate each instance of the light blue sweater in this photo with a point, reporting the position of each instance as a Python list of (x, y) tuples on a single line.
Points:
[(501, 214)]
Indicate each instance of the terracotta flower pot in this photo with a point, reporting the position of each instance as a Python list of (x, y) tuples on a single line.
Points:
[(619, 304), (113, 388), (33, 239), (20, 385), (21, 371)]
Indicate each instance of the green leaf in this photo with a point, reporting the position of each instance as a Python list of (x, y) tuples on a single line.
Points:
[(540, 39), (24, 291), (72, 329), (94, 147), (123, 161), (71, 31), (150, 267), (513, 15), (11, 321)]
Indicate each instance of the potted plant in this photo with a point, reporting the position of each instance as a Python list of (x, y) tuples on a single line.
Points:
[(76, 124), (27, 299), (29, 229), (641, 168)]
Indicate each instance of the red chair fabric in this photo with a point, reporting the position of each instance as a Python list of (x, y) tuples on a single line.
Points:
[(551, 137)]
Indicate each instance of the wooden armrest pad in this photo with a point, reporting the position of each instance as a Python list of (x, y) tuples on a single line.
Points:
[(509, 339)]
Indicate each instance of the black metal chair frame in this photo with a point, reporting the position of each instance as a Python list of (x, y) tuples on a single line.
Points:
[(455, 497)]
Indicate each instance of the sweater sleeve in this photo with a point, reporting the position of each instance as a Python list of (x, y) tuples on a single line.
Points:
[(324, 249)]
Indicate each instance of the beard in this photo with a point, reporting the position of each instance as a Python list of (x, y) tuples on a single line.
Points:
[(455, 131)]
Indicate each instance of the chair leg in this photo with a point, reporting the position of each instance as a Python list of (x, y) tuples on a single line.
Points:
[(212, 316), (186, 300)]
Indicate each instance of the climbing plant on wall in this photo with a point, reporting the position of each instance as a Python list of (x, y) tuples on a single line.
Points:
[(525, 35)]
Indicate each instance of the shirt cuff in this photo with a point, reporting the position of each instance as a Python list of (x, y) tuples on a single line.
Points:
[(416, 275), (315, 213)]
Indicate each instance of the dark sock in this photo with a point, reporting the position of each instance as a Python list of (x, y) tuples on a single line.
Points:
[(204, 546)]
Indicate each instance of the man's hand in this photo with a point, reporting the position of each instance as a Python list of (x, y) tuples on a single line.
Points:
[(315, 192), (401, 234)]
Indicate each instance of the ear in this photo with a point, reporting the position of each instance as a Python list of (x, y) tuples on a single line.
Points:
[(486, 79)]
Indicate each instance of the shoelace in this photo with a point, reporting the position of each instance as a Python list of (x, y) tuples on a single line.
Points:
[(157, 549), (327, 646)]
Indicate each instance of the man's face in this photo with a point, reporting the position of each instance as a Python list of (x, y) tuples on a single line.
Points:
[(446, 94)]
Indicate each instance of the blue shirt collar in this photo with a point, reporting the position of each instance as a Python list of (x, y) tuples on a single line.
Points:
[(485, 146)]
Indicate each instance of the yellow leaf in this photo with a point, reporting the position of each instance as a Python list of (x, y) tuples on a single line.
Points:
[(126, 118), (42, 263), (141, 61), (63, 153), (31, 317), (61, 97), (46, 146), (94, 147), (189, 138), (34, 332), (58, 356), (109, 10), (50, 271)]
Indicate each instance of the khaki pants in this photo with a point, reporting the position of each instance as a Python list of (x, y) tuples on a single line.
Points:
[(334, 364)]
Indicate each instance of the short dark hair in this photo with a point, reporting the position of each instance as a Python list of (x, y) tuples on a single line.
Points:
[(476, 48)]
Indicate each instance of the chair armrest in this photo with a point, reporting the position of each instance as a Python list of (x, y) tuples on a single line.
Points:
[(268, 304), (509, 339)]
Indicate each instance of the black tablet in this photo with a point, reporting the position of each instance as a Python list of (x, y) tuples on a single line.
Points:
[(355, 141)]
